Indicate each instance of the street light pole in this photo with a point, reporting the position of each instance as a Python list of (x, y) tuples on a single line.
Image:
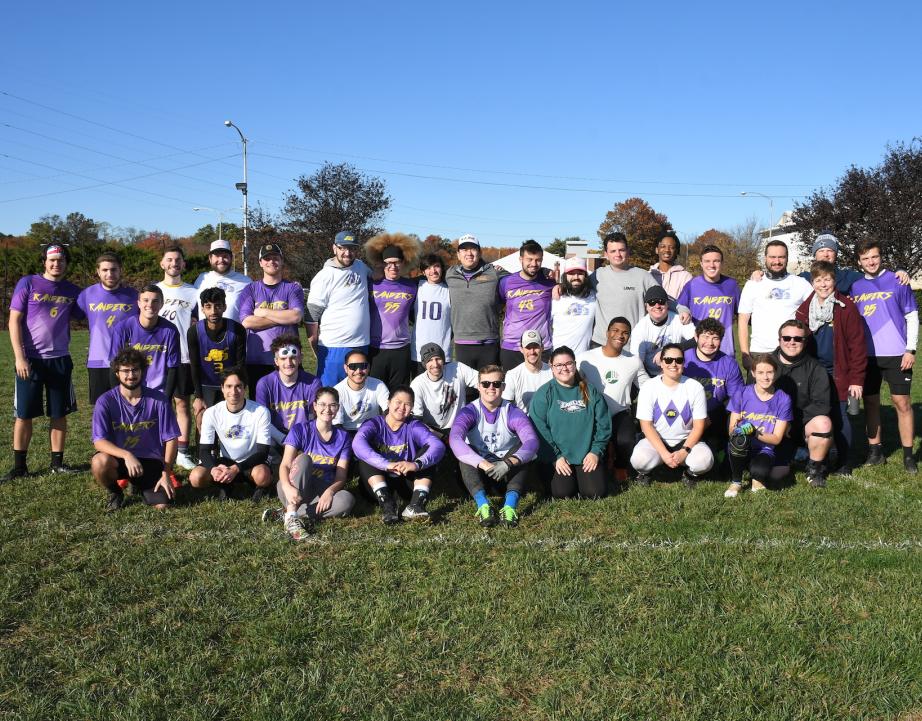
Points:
[(242, 187), (220, 215), (771, 209)]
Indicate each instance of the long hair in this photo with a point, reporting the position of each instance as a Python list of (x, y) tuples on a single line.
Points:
[(580, 381)]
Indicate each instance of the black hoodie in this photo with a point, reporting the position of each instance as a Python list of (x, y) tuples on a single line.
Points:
[(807, 383)]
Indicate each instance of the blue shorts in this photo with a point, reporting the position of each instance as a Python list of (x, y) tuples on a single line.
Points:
[(330, 362), (48, 390)]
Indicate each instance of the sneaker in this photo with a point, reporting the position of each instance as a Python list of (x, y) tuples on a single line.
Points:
[(757, 487), (486, 514), (817, 481), (13, 474), (733, 490), (259, 494), (114, 502), (689, 479), (416, 511), (846, 471), (184, 461), (909, 464), (298, 528), (815, 476), (62, 470), (643, 479), (175, 482), (875, 458), (389, 514), (509, 516), (273, 515)]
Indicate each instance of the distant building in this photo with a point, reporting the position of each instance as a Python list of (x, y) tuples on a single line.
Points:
[(798, 256), (581, 249), (511, 262)]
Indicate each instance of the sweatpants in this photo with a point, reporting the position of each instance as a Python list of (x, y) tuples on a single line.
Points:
[(645, 457)]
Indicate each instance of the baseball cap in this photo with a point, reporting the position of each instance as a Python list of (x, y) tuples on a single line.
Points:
[(468, 239), (269, 249), (430, 351), (217, 245), (825, 240), (347, 239), (574, 264), (531, 336), (655, 293)]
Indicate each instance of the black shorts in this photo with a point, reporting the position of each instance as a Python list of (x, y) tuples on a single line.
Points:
[(184, 387), (255, 371), (49, 389), (152, 470), (477, 355), (212, 395), (100, 381), (887, 368)]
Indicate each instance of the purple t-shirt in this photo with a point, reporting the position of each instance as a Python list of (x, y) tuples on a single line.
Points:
[(377, 445), (325, 455), (528, 307), (142, 429), (48, 307), (721, 377), (719, 301), (160, 345), (764, 415), (288, 406), (284, 295), (391, 306), (884, 303), (103, 310)]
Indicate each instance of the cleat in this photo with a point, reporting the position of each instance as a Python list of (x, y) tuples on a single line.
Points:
[(184, 462), (509, 516), (389, 514), (875, 458), (13, 474), (643, 479), (62, 470), (273, 515), (114, 502), (689, 479), (815, 475), (259, 494), (298, 528), (909, 464), (416, 512), (733, 490), (486, 514), (846, 471)]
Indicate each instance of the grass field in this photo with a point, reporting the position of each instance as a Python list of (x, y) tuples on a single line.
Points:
[(660, 603)]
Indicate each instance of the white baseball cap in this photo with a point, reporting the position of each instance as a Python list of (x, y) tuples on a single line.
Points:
[(575, 264), (219, 245), (531, 336)]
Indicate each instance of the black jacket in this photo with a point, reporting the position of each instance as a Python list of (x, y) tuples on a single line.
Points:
[(807, 383)]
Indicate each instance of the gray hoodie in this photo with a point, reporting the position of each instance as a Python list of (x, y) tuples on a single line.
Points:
[(475, 302)]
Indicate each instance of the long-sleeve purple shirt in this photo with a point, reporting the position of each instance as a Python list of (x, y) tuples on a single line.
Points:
[(721, 377), (469, 417), (377, 445)]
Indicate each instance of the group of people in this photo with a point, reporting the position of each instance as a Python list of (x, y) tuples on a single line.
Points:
[(569, 381)]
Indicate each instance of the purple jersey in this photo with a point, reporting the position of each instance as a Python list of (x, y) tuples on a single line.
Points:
[(884, 303), (764, 415), (213, 356), (160, 345), (391, 306), (143, 428), (47, 306), (103, 310), (285, 295), (720, 377), (288, 406), (528, 307), (325, 455), (377, 445), (719, 301)]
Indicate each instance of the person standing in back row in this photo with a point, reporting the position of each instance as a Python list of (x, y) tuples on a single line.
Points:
[(223, 276), (527, 299)]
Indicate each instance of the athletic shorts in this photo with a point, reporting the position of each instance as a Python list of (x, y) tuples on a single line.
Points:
[(255, 371), (100, 381), (887, 368), (212, 395), (184, 386), (48, 390), (144, 485)]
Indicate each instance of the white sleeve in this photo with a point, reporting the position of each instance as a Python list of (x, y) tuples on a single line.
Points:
[(636, 340), (746, 298), (510, 388), (468, 375), (319, 292), (381, 393), (199, 280), (642, 375), (207, 434), (688, 330), (698, 400), (912, 330), (263, 427), (417, 397), (645, 402)]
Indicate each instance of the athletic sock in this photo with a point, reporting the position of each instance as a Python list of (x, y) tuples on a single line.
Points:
[(907, 451), (480, 498), (420, 495), (182, 447), (57, 458), (19, 460), (512, 499)]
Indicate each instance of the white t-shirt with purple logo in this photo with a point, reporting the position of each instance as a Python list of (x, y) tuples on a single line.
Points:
[(770, 303), (237, 434), (231, 283), (672, 410)]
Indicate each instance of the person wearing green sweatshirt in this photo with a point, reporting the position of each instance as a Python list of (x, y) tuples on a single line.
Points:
[(572, 420)]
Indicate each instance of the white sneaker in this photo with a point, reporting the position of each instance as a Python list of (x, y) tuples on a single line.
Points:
[(184, 461), (298, 528), (733, 490)]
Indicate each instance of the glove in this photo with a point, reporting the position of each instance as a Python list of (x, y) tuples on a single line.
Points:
[(499, 469), (745, 429)]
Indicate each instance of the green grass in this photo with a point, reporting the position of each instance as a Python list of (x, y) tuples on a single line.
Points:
[(659, 603)]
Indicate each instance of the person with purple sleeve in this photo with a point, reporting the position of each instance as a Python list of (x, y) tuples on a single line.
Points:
[(397, 453), (268, 308), (135, 434), (105, 304), (892, 317), (41, 309), (154, 336), (392, 306), (526, 296), (494, 443), (713, 295), (289, 392)]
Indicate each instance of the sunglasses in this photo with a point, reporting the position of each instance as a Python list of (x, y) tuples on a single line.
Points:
[(357, 366), (793, 338), (491, 384), (657, 302), (672, 359), (289, 351)]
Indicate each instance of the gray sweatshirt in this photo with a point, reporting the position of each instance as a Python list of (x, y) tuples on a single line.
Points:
[(475, 302), (618, 292)]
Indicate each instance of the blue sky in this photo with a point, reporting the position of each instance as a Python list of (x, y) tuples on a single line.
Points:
[(507, 120)]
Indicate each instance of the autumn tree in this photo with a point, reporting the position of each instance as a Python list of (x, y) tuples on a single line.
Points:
[(720, 238), (642, 225), (75, 230)]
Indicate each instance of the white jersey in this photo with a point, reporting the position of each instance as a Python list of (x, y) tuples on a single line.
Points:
[(770, 303), (231, 283), (521, 384), (612, 377), (494, 440), (179, 301), (433, 318), (438, 402), (672, 410), (341, 295), (571, 322), (238, 433), (648, 339), (356, 407)]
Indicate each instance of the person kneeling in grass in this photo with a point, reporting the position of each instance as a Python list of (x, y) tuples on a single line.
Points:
[(134, 433), (314, 469), (759, 418), (572, 419), (396, 453), (234, 442), (494, 442)]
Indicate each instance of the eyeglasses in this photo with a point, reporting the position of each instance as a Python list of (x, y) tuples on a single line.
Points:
[(793, 338), (327, 406), (357, 366), (130, 371), (392, 262), (669, 360), (288, 351), (491, 384), (656, 302), (563, 366)]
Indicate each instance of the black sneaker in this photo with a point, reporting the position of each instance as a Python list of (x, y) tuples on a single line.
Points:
[(389, 514), (845, 470), (875, 458), (689, 479), (416, 511), (259, 494), (643, 479), (13, 474), (815, 476), (909, 463), (62, 470), (114, 502)]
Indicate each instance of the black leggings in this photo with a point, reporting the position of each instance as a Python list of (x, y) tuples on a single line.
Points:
[(761, 467), (390, 365), (477, 355), (402, 485), (623, 439), (589, 485), (476, 480)]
